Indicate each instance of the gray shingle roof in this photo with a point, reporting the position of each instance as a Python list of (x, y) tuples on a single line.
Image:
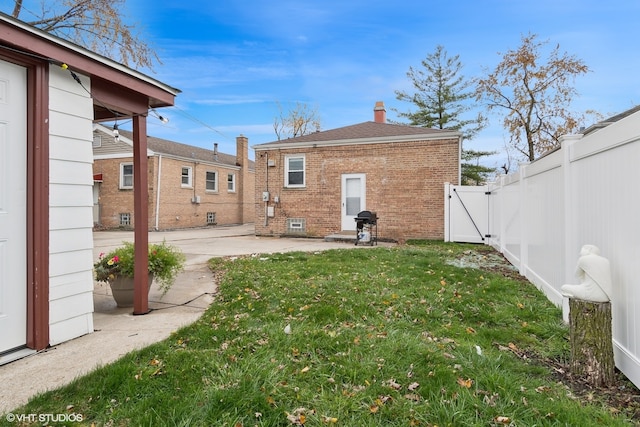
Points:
[(610, 120), (361, 131), (172, 148)]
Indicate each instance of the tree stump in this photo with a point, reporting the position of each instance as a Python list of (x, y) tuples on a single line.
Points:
[(591, 341)]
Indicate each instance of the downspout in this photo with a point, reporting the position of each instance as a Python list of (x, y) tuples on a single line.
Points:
[(193, 182), (157, 219), (460, 160), (266, 203)]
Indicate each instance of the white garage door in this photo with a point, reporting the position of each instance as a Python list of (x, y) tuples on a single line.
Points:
[(13, 206)]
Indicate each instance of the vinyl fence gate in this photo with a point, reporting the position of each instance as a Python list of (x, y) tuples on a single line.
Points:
[(466, 213)]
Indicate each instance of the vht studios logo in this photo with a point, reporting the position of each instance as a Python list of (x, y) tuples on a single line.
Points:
[(45, 418)]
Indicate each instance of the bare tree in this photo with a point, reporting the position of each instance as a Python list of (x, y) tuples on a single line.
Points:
[(94, 24), (534, 93), (297, 121)]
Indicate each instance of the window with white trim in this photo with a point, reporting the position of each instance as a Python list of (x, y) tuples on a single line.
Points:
[(97, 140), (186, 177), (294, 173), (211, 181), (126, 176), (231, 183)]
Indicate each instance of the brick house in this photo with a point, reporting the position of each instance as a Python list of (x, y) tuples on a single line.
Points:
[(315, 185), (188, 186)]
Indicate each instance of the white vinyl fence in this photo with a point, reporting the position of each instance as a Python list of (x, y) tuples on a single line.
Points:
[(587, 192)]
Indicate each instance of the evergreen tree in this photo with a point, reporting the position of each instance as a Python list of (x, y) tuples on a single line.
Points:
[(442, 97), (473, 173)]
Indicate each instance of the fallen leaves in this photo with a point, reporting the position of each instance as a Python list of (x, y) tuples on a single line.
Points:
[(300, 416), (154, 368), (392, 384), (465, 383)]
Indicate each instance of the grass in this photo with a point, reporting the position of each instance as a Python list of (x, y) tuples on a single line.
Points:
[(393, 337)]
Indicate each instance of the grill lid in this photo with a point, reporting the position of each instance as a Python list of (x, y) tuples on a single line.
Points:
[(367, 216)]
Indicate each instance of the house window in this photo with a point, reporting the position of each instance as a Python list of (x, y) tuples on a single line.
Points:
[(125, 219), (231, 183), (186, 177), (294, 171), (211, 218), (126, 176), (212, 181), (97, 140)]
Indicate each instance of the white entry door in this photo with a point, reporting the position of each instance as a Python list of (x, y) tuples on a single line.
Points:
[(353, 198), (13, 206)]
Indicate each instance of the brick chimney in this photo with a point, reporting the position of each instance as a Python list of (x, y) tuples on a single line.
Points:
[(245, 183), (379, 113)]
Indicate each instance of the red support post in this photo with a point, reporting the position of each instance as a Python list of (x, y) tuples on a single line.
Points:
[(141, 216)]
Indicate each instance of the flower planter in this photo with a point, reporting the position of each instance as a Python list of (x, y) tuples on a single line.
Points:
[(122, 290), (117, 268)]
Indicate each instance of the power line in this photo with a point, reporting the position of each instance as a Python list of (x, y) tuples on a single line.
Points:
[(195, 119)]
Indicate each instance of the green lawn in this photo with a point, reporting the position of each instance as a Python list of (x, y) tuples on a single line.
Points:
[(406, 336)]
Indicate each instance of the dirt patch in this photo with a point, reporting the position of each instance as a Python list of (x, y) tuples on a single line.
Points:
[(493, 262)]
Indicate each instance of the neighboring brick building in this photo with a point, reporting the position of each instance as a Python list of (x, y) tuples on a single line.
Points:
[(188, 186), (318, 183)]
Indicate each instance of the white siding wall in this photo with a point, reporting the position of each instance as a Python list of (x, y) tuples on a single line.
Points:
[(585, 193), (70, 207)]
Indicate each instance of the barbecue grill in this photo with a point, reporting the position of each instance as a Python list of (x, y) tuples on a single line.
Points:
[(367, 228)]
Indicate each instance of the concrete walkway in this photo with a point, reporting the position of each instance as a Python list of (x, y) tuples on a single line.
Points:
[(118, 332)]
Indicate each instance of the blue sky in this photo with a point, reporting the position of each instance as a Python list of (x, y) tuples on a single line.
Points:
[(235, 60)]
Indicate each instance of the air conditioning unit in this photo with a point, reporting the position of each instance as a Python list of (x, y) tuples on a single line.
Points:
[(196, 200)]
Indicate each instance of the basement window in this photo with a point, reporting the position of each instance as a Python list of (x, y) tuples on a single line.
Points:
[(125, 219), (296, 225), (211, 218)]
